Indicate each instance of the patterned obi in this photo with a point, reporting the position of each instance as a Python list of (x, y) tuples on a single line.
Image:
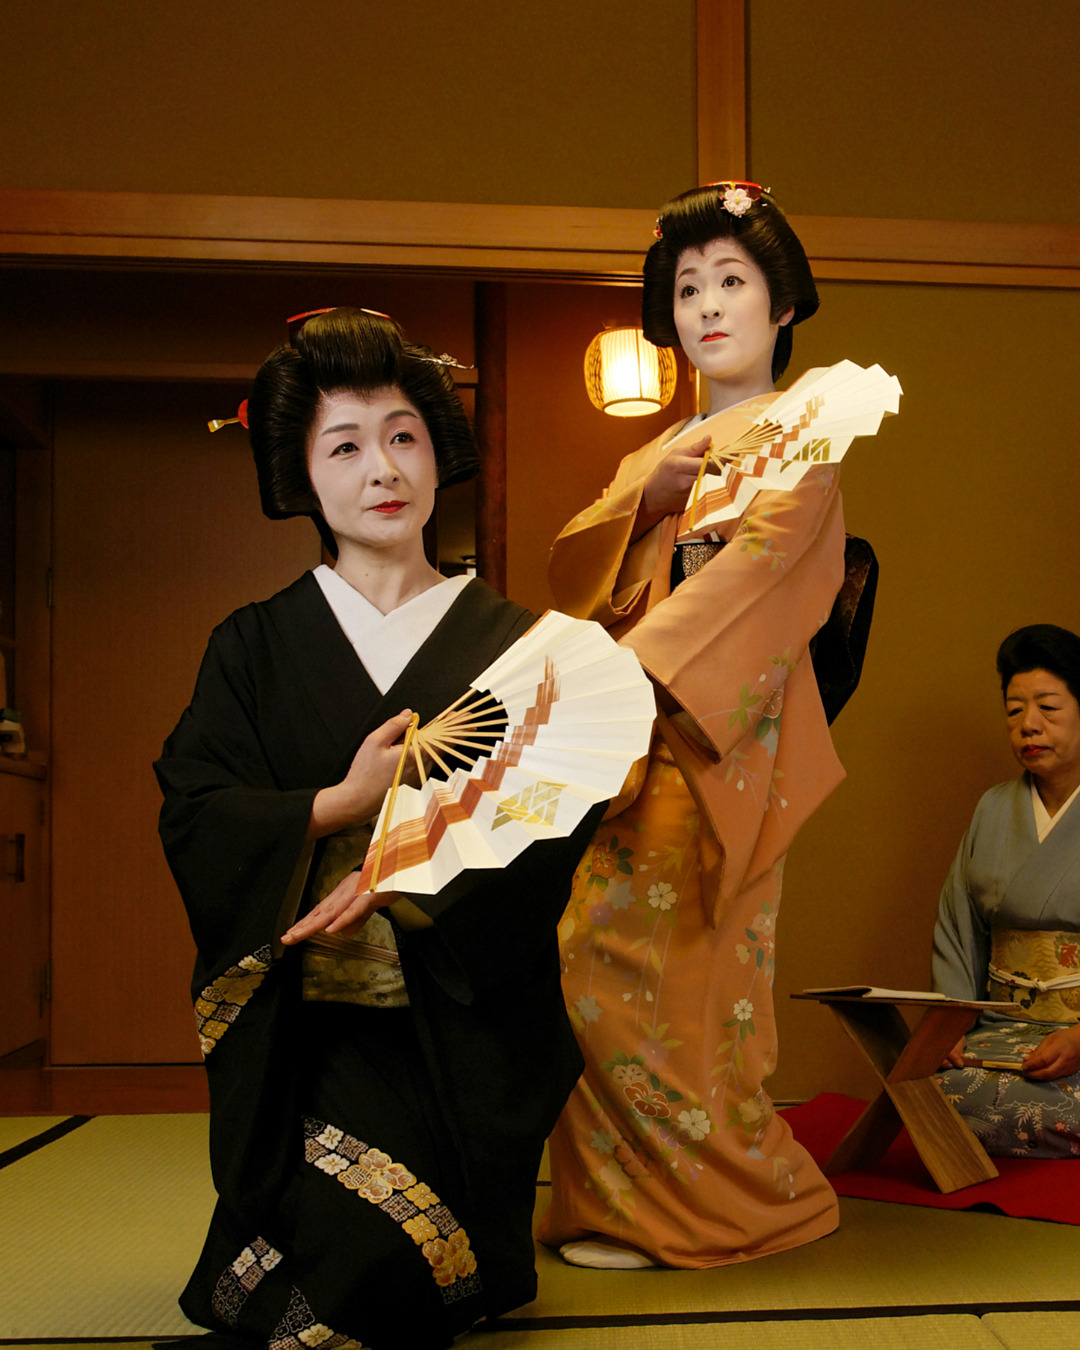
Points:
[(1037, 970), (364, 968)]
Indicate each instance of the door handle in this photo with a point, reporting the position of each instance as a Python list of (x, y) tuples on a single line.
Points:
[(14, 856)]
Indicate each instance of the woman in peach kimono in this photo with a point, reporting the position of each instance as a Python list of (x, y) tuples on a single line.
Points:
[(669, 1151)]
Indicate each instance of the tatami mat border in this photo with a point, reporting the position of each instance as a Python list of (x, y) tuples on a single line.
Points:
[(49, 1136), (583, 1322), (698, 1317)]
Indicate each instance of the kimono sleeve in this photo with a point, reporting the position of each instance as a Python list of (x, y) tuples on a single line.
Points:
[(961, 956), (595, 571), (725, 641), (232, 835)]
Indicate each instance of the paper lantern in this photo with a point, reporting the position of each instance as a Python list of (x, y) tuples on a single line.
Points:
[(626, 375)]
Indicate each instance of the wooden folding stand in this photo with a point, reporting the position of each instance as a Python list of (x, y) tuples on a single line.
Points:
[(905, 1061)]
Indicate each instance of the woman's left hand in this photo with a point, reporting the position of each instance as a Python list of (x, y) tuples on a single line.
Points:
[(1056, 1055), (345, 910)]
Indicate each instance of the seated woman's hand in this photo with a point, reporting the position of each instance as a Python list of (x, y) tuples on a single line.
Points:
[(360, 793), (955, 1058), (1056, 1055), (344, 911), (668, 487)]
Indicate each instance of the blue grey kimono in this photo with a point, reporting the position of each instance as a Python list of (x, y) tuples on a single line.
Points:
[(1004, 888)]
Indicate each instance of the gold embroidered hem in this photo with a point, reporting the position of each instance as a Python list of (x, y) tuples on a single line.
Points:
[(374, 1176), (364, 968), (219, 1004), (1023, 961)]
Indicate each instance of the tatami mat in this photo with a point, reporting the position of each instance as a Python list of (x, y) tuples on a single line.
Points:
[(879, 1333), (1022, 1331), (881, 1256), (18, 1129), (99, 1230)]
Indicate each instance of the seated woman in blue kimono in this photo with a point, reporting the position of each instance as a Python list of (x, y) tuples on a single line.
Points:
[(1008, 925), (379, 1098)]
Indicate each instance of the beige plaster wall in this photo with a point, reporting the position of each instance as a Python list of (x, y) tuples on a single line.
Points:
[(968, 500), (960, 111), (569, 102)]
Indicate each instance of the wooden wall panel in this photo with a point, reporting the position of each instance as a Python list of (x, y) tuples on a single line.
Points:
[(961, 111), (574, 102), (968, 498), (158, 537)]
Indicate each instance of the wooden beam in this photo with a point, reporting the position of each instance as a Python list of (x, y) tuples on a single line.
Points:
[(148, 227), (721, 89), (104, 1089), (550, 242), (172, 372)]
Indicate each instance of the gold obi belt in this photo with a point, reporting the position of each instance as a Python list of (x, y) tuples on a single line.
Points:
[(364, 968), (1037, 970)]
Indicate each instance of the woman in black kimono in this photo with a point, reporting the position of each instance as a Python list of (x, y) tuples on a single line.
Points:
[(384, 1070)]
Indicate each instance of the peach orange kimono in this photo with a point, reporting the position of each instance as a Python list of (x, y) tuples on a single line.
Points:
[(669, 1142)]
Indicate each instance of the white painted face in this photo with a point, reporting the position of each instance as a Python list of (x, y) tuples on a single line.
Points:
[(372, 465), (722, 314)]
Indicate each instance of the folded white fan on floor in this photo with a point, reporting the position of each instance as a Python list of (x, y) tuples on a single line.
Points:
[(811, 423), (553, 725)]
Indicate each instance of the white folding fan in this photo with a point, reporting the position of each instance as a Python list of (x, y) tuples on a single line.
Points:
[(811, 423), (551, 727)]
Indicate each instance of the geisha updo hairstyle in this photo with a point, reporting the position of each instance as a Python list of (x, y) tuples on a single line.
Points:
[(357, 350), (696, 218), (1041, 646)]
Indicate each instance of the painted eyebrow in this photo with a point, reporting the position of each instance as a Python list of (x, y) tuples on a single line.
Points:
[(716, 262), (354, 426)]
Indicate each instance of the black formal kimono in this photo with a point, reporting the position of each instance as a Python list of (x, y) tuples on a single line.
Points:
[(375, 1167)]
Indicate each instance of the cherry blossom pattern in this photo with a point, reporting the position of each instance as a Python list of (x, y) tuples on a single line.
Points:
[(374, 1176), (695, 1123), (737, 201), (760, 947), (742, 1017), (662, 895)]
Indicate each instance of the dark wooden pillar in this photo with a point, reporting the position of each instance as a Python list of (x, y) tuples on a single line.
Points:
[(490, 328)]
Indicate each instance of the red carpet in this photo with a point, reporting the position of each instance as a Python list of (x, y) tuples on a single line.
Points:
[(1035, 1189)]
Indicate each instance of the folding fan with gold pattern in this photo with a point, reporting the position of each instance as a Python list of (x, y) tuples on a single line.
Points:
[(812, 422), (550, 728)]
